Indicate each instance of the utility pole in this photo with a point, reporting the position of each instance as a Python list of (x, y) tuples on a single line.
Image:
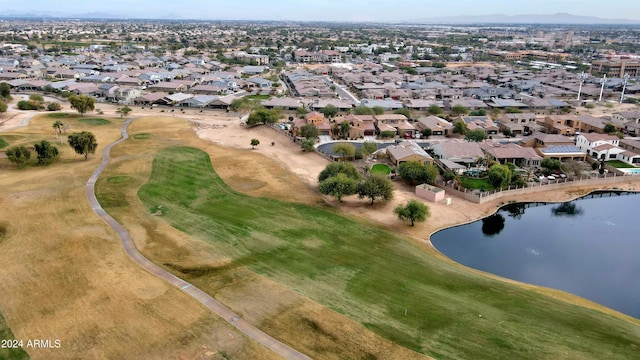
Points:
[(582, 77), (603, 81), (624, 86)]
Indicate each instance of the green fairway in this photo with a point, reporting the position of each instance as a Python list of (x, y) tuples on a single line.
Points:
[(3, 143), (142, 136), (476, 184), (95, 121), (58, 115), (382, 169), (386, 282), (7, 351)]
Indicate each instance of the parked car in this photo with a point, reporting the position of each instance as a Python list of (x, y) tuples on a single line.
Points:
[(551, 178)]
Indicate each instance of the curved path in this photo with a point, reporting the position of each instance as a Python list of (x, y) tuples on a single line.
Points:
[(208, 301)]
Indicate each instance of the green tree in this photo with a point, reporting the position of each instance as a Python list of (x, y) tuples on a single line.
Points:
[(301, 112), (368, 148), (58, 126), (387, 134), (478, 112), (377, 110), (477, 135), (511, 110), (124, 111), (54, 106), (309, 131), (5, 91), (46, 152), (307, 144), (344, 129), (499, 176), (345, 150), (338, 186), (36, 98), (26, 105), (244, 104), (458, 110), (416, 173), (83, 143), (434, 110), (340, 167), (18, 155), (82, 103), (329, 111), (609, 128), (404, 111), (263, 116), (254, 143), (426, 133), (3, 107), (459, 127), (413, 211), (550, 164), (363, 110), (375, 186)]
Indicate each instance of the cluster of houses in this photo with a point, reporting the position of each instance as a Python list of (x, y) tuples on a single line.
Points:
[(137, 79), (459, 155)]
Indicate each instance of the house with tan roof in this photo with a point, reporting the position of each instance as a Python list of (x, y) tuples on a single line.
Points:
[(408, 151), (460, 152), (437, 125), (512, 153)]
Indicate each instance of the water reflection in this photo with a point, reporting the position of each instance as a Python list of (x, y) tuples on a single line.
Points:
[(588, 247), (493, 224), (567, 209), (515, 210)]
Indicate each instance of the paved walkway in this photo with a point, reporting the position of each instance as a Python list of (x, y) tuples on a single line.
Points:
[(208, 301)]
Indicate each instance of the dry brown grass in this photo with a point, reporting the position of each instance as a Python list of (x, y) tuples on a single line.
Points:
[(279, 311), (65, 276)]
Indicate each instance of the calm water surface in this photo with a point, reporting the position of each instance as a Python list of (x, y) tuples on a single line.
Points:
[(589, 247)]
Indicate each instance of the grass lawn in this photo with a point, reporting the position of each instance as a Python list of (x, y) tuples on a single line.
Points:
[(10, 353), (258, 97), (58, 115), (3, 143), (142, 136), (388, 283), (476, 183), (381, 169), (619, 164), (94, 121)]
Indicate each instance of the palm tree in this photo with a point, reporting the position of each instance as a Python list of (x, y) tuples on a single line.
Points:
[(58, 126)]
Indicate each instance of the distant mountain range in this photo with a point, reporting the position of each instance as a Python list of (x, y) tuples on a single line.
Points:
[(559, 18)]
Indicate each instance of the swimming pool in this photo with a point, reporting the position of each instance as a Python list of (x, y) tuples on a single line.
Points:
[(629, 171)]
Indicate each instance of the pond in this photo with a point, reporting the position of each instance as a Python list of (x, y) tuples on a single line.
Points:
[(589, 247)]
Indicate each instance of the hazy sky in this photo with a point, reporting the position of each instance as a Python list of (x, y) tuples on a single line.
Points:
[(327, 10)]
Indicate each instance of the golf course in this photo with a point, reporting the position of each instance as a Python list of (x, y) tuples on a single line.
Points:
[(388, 284), (258, 239)]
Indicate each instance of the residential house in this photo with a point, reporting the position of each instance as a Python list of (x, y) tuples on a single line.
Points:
[(408, 151), (285, 103), (542, 140), (437, 125), (460, 152), (315, 118), (512, 153), (627, 121), (361, 125), (479, 122)]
